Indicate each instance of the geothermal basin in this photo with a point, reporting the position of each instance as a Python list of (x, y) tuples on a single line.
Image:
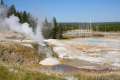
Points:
[(88, 53)]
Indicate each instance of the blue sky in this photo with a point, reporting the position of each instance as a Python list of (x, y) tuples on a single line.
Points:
[(72, 10)]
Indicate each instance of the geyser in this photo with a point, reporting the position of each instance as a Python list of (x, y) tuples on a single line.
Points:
[(13, 24)]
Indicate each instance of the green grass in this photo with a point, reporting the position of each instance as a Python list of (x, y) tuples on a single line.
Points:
[(7, 74), (99, 76), (11, 72)]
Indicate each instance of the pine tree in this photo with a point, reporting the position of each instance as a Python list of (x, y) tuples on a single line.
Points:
[(12, 10), (46, 22), (60, 32), (55, 28), (25, 17), (2, 2), (47, 29)]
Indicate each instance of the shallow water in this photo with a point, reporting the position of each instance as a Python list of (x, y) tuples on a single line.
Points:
[(64, 68), (60, 69)]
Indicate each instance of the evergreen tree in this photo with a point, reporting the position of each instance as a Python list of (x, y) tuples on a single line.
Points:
[(47, 29), (32, 21), (46, 22), (2, 2), (12, 10), (55, 28), (25, 17), (60, 31)]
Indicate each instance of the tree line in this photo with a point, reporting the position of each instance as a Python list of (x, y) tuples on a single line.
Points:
[(55, 29), (60, 28), (107, 27), (52, 29)]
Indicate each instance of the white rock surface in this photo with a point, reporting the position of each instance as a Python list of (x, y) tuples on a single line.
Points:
[(49, 61), (98, 51)]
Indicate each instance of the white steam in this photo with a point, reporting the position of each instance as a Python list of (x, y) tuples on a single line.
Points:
[(14, 25), (38, 36)]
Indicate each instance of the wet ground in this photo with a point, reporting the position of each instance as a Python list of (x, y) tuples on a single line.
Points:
[(99, 54)]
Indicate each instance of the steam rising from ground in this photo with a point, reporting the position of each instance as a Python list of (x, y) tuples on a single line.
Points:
[(12, 24)]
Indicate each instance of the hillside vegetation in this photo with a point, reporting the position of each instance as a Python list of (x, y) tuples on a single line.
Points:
[(17, 73), (13, 52)]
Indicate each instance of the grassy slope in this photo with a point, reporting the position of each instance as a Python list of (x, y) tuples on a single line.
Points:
[(99, 76), (12, 52), (16, 73), (13, 56)]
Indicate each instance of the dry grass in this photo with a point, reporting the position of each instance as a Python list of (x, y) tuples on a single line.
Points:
[(8, 72), (12, 52), (98, 76)]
